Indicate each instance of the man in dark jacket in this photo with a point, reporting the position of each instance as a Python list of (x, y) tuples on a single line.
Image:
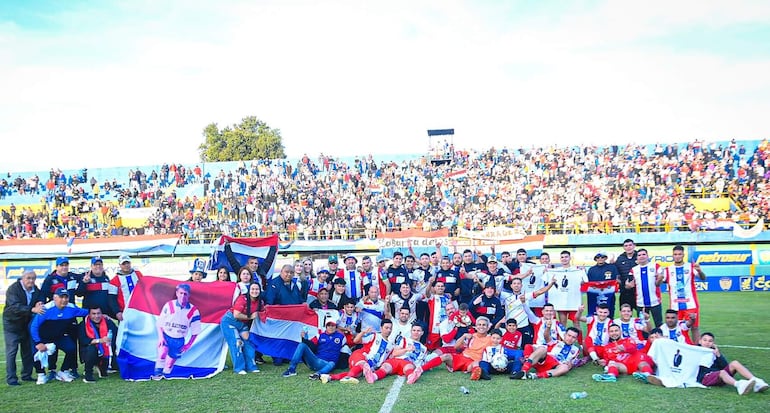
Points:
[(96, 333), (285, 290), (96, 290), (22, 300), (61, 277)]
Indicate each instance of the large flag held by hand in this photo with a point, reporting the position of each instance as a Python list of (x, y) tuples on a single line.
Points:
[(138, 342), (233, 253), (279, 329)]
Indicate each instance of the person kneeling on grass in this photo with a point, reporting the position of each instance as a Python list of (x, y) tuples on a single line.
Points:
[(327, 348), (716, 371)]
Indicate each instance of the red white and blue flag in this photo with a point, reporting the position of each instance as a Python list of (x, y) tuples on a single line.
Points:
[(278, 331), (264, 249), (600, 287), (137, 340)]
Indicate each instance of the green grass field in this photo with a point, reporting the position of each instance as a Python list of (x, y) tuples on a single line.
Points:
[(737, 319)]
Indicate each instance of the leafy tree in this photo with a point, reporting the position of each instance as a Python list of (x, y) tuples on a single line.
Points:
[(250, 139)]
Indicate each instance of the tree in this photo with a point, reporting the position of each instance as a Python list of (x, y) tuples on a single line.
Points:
[(250, 139)]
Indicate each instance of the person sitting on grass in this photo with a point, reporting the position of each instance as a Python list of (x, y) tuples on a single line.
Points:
[(550, 361), (320, 354), (716, 371), (622, 356)]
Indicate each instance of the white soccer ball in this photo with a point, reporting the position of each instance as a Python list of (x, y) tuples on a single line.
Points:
[(499, 362)]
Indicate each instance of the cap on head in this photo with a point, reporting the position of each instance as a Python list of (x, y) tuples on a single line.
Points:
[(333, 259), (124, 258), (339, 281), (61, 291), (62, 261), (353, 257), (600, 254), (96, 259), (199, 265), (492, 258)]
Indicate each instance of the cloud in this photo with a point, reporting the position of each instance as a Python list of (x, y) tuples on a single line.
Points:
[(138, 81)]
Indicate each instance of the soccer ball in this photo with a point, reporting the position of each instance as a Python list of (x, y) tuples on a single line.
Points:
[(499, 362)]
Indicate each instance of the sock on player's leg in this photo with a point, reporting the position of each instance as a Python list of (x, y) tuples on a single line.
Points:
[(613, 371), (381, 374), (527, 365), (431, 364), (646, 369), (356, 371), (338, 376)]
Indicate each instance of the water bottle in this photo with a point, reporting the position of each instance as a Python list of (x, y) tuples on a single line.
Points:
[(578, 395), (109, 336), (464, 390)]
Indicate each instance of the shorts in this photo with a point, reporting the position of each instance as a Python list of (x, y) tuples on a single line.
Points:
[(174, 346), (398, 365), (712, 379), (685, 315), (448, 350), (547, 364), (460, 362), (570, 315), (434, 341), (632, 363), (356, 357)]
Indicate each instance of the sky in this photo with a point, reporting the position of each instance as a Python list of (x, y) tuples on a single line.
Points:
[(134, 82)]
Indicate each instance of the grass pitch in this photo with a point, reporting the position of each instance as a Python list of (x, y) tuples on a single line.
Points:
[(737, 319)]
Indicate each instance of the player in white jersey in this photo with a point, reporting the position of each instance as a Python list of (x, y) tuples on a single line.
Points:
[(178, 319), (402, 323), (514, 303), (405, 297), (548, 329), (676, 329), (552, 360), (437, 301), (567, 297), (646, 278), (376, 349), (630, 327), (407, 355), (354, 279), (680, 278), (533, 278), (598, 331), (371, 309)]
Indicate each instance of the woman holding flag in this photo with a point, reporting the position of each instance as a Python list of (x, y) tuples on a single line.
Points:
[(235, 326)]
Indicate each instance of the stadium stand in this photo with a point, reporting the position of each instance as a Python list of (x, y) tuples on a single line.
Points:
[(583, 189)]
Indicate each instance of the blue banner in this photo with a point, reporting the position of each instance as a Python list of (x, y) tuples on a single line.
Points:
[(737, 257)]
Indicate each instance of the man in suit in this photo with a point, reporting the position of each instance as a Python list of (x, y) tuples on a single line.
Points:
[(22, 300)]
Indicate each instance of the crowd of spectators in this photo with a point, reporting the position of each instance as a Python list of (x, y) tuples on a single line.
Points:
[(585, 189)]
